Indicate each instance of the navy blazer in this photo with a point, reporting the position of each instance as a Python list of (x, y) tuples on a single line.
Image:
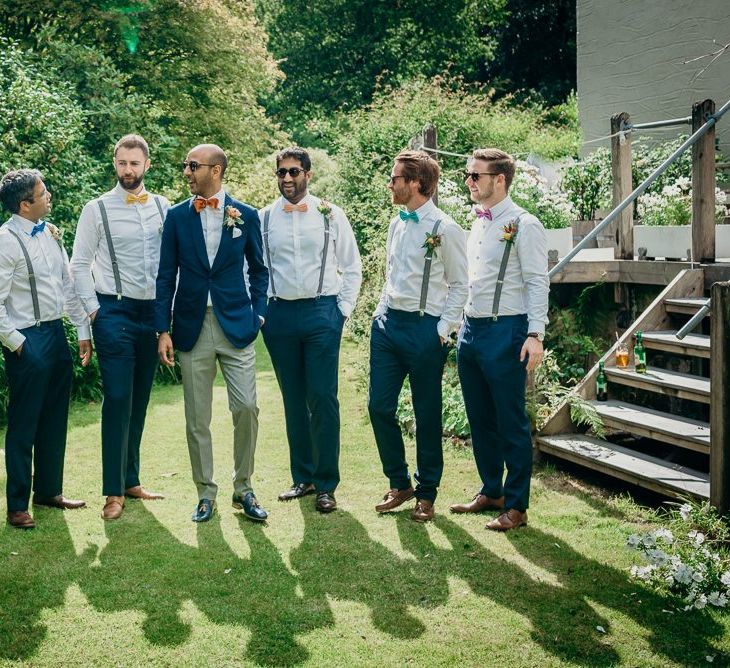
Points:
[(186, 275)]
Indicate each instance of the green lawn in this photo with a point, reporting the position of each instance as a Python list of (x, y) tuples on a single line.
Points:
[(348, 589)]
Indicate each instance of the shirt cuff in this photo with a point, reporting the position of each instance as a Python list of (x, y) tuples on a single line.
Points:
[(445, 328), (91, 305), (84, 332), (345, 308), (536, 326), (15, 340)]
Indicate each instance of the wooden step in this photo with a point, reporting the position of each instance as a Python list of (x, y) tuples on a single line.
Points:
[(665, 427), (634, 467), (694, 345), (661, 381), (684, 306)]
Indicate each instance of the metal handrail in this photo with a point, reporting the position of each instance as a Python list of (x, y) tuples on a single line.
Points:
[(695, 320), (639, 190), (687, 120)]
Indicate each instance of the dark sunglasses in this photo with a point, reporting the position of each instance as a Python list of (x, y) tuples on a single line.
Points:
[(474, 176), (194, 164), (292, 171)]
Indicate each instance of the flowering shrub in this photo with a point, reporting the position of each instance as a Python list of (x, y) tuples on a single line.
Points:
[(550, 205), (673, 205), (683, 562)]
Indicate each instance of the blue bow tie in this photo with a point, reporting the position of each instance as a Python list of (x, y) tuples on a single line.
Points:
[(405, 216), (38, 228)]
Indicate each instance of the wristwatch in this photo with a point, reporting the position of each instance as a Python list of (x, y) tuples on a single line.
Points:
[(537, 335)]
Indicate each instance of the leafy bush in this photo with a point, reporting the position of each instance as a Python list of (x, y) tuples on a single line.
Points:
[(673, 206)]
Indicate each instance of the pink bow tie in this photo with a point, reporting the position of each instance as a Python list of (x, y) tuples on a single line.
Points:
[(484, 213), (289, 207)]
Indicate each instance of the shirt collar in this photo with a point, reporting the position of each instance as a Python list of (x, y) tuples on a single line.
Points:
[(308, 199), (425, 209), (122, 193), (499, 208), (24, 224)]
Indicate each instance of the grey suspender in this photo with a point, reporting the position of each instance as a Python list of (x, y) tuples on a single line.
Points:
[(323, 266), (31, 278), (427, 273), (110, 243), (502, 272)]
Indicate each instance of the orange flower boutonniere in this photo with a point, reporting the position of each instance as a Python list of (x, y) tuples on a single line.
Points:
[(433, 241), (231, 218), (510, 232)]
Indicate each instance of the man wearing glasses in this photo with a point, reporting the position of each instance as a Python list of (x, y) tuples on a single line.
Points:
[(501, 339), (35, 290), (201, 292), (314, 279), (118, 234), (420, 306)]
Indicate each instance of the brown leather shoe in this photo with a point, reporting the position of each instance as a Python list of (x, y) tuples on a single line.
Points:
[(113, 508), (394, 498), (59, 501), (139, 492), (21, 519), (509, 520), (326, 502), (478, 504), (423, 512), (297, 491)]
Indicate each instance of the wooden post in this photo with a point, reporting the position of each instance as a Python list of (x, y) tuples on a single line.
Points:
[(622, 185), (430, 140), (720, 395), (703, 186)]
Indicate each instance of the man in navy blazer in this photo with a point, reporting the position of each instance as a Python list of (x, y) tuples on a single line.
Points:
[(203, 301)]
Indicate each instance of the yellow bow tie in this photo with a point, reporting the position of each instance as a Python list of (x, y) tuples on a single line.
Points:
[(289, 207), (134, 199)]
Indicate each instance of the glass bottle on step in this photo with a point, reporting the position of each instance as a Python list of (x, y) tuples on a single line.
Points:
[(639, 354), (601, 384)]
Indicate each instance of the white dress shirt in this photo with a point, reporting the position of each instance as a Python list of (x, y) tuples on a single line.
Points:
[(136, 231), (296, 241), (212, 222), (405, 258), (53, 282), (526, 283)]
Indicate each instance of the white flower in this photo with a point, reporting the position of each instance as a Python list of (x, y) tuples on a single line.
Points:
[(658, 557), (633, 541), (725, 578), (665, 534), (700, 602), (697, 536), (648, 541), (683, 574), (717, 599), (683, 183), (684, 511)]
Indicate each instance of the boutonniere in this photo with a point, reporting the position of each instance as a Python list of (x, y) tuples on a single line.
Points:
[(56, 233), (325, 208), (510, 232), (231, 218), (433, 241)]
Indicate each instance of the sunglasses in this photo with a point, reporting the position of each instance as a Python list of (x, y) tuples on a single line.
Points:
[(194, 164), (292, 171), (474, 176), (393, 178)]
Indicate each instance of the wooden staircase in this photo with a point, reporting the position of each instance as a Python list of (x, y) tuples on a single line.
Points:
[(657, 424)]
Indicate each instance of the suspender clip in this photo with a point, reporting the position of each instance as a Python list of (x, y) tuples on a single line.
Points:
[(119, 296), (494, 318), (37, 323)]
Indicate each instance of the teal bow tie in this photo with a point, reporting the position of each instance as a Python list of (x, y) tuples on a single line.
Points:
[(405, 216)]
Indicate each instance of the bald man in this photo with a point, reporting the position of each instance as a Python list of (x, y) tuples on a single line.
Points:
[(205, 312)]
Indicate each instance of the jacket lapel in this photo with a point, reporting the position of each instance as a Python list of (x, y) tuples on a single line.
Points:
[(197, 234)]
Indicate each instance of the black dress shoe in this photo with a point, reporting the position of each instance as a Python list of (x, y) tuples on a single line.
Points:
[(297, 491), (250, 507), (204, 511), (59, 501), (325, 502)]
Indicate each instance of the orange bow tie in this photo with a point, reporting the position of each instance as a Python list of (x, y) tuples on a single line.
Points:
[(289, 207), (200, 203), (137, 199)]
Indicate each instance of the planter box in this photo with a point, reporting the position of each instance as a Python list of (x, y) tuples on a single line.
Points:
[(605, 239), (674, 241), (560, 240)]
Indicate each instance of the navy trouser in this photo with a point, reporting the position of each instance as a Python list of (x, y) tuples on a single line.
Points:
[(408, 344), (303, 338), (126, 344), (493, 384), (39, 383)]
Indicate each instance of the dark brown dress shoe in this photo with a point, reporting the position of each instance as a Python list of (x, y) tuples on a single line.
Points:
[(325, 502), (59, 501), (423, 512), (140, 492), (297, 491), (113, 508), (394, 498), (21, 519), (509, 520), (478, 504)]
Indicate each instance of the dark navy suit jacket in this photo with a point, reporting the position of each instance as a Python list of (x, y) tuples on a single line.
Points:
[(183, 254)]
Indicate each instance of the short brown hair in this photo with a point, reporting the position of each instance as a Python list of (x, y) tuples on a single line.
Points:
[(133, 141), (420, 166), (499, 162)]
